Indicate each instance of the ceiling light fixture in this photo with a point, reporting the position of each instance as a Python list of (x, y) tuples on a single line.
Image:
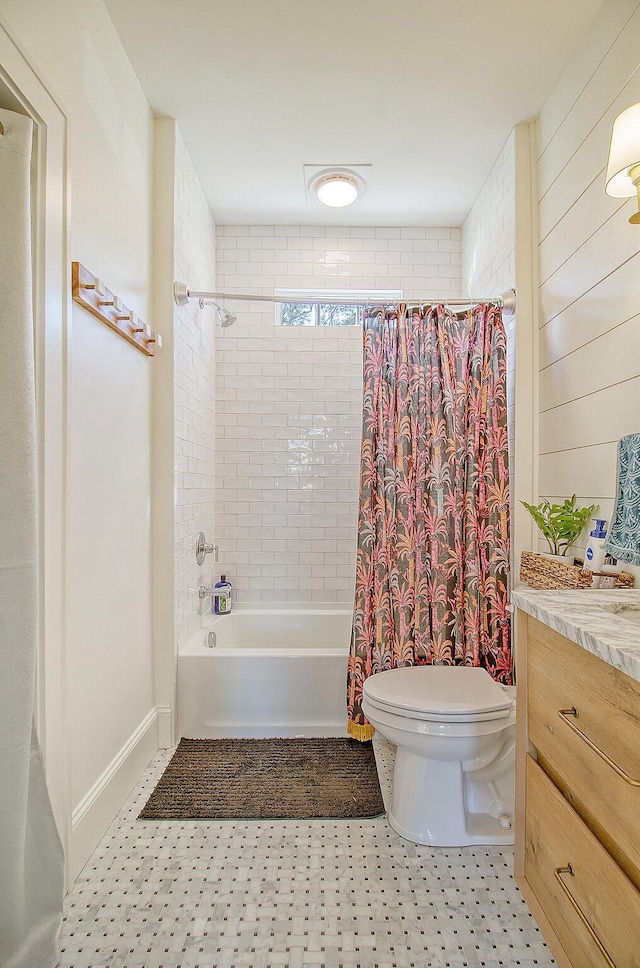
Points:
[(337, 187), (623, 171)]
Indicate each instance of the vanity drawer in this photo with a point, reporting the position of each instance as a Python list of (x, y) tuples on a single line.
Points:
[(594, 756), (590, 903)]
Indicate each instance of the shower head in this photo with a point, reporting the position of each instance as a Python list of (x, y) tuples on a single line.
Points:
[(225, 317)]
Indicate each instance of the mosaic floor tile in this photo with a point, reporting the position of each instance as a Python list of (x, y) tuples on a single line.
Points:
[(292, 894)]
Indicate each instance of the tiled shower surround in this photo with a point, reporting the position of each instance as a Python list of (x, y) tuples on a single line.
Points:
[(194, 389), (489, 261), (289, 401)]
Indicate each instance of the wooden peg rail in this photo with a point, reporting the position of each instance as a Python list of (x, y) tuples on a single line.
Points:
[(91, 293)]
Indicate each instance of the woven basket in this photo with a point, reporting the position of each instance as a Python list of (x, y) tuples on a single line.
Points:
[(625, 580), (541, 572)]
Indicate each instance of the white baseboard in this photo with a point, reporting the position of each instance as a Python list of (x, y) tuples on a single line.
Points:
[(93, 815), (165, 727)]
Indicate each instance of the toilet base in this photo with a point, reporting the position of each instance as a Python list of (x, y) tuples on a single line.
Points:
[(480, 830), (431, 800)]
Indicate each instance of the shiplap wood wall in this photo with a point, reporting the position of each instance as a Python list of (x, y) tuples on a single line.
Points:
[(589, 269)]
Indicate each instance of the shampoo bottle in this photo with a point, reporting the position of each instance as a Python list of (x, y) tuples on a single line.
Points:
[(222, 598), (595, 553)]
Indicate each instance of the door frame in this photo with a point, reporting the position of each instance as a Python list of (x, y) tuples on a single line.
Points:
[(526, 378)]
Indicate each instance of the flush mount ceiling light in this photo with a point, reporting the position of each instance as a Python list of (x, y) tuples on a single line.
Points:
[(337, 187), (623, 172)]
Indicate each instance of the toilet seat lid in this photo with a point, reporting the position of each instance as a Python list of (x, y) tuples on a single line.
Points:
[(462, 691)]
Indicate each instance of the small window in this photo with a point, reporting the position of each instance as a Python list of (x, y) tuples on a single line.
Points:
[(319, 312)]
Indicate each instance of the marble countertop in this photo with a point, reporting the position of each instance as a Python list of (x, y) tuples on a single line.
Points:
[(582, 616)]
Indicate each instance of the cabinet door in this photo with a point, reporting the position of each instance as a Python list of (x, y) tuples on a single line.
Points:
[(591, 904), (584, 720)]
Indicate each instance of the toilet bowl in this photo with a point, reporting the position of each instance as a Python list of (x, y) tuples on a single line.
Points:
[(454, 729)]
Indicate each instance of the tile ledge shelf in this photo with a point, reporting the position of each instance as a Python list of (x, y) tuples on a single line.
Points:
[(580, 616)]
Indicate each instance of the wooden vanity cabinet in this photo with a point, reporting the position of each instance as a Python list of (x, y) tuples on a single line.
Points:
[(578, 799)]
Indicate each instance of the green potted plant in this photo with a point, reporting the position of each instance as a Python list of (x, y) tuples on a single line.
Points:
[(560, 524)]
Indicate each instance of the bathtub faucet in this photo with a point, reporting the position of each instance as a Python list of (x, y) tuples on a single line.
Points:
[(204, 592)]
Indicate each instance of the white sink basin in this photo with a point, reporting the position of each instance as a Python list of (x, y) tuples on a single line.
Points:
[(630, 613)]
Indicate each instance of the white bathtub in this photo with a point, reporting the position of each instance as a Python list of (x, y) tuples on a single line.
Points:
[(270, 673)]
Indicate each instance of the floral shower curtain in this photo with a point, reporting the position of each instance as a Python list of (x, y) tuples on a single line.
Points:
[(432, 569)]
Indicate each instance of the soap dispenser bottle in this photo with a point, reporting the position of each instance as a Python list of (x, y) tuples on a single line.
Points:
[(222, 599), (595, 553)]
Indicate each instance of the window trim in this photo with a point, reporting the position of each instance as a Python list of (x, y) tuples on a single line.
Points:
[(319, 297)]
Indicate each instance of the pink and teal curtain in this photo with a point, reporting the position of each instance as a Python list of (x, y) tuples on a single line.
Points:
[(432, 571)]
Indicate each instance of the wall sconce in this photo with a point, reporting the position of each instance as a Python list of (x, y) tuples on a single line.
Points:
[(623, 171)]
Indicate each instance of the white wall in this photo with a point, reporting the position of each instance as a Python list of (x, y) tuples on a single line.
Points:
[(289, 401), (589, 269), (108, 655)]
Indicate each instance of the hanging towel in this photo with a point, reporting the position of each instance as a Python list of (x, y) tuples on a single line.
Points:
[(623, 540)]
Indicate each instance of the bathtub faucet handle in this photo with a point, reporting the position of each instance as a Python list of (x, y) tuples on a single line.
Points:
[(203, 548)]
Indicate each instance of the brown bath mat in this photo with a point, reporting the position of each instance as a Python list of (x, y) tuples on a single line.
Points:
[(252, 779)]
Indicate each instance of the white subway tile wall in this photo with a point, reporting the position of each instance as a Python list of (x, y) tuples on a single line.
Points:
[(289, 401), (488, 259), (194, 387), (489, 231)]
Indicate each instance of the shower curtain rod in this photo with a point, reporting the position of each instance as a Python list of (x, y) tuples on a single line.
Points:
[(182, 295)]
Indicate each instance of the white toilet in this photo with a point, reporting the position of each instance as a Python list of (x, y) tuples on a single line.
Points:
[(454, 728)]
